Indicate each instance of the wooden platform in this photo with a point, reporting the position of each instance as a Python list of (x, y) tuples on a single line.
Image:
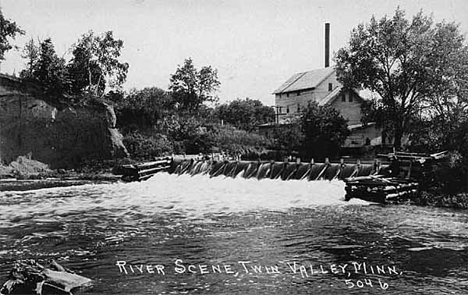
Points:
[(380, 189), (399, 182)]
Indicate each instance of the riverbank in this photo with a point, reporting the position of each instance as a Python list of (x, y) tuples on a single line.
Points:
[(27, 174), (13, 184), (438, 199)]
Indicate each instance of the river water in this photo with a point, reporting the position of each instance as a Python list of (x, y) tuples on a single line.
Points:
[(199, 235)]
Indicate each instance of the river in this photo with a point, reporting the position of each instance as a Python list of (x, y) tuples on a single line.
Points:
[(199, 235)]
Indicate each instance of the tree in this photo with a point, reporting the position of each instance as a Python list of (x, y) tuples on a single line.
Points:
[(409, 64), (95, 64), (324, 129), (8, 29), (191, 87), (31, 54), (288, 138), (245, 114), (50, 70), (144, 108)]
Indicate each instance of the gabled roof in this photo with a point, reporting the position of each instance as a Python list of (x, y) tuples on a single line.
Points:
[(305, 80), (331, 96)]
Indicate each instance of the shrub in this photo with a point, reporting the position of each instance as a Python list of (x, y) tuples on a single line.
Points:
[(231, 140), (147, 147)]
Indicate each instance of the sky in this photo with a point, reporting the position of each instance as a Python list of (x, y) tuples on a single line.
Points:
[(255, 45)]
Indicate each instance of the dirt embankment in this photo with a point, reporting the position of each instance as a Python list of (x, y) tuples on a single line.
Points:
[(61, 136)]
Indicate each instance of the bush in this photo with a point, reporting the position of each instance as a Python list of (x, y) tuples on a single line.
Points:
[(233, 141), (429, 198), (449, 177), (147, 147)]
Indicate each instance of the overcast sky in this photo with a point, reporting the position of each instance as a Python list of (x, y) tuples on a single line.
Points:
[(255, 45)]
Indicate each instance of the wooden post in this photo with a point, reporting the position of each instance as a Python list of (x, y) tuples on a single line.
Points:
[(410, 168)]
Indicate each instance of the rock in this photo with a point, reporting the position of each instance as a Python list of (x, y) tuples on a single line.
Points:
[(30, 277)]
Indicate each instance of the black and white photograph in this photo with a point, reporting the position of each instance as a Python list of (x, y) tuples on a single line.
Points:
[(233, 147)]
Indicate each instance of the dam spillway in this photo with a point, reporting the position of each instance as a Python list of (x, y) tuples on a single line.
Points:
[(273, 170)]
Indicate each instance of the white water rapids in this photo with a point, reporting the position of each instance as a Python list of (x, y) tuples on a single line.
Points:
[(192, 196)]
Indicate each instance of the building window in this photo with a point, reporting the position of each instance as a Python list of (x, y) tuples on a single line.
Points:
[(350, 97), (330, 86), (343, 97), (287, 94), (298, 93), (298, 108), (287, 109)]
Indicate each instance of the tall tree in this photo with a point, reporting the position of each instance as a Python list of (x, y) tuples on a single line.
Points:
[(95, 64), (408, 63), (31, 54), (8, 30), (50, 70), (191, 87)]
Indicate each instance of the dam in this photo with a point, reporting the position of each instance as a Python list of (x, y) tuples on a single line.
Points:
[(273, 170), (253, 169)]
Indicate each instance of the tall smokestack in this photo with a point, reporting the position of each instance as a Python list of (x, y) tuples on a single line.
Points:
[(327, 45)]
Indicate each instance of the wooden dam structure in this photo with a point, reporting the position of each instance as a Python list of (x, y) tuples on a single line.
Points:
[(391, 178), (251, 169)]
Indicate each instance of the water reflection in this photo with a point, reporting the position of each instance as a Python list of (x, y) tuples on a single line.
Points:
[(221, 221)]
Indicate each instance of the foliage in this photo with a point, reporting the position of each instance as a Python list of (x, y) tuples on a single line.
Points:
[(8, 30), (192, 87), (95, 64), (143, 109), (324, 129), (46, 68), (245, 114), (140, 146), (436, 199), (452, 136), (234, 141), (288, 138), (31, 54), (410, 64), (93, 69)]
